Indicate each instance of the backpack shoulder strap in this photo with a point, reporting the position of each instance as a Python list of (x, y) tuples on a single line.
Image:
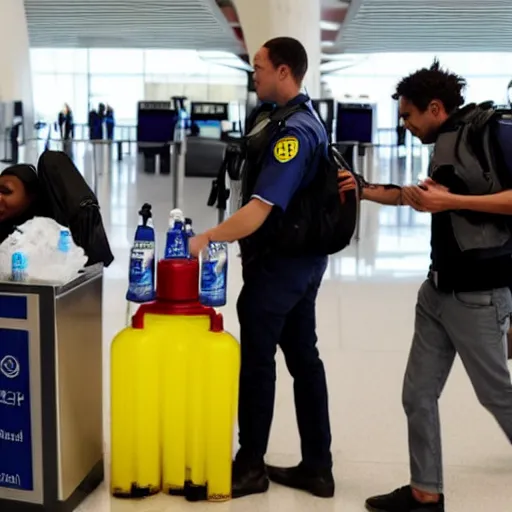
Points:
[(263, 110), (281, 115)]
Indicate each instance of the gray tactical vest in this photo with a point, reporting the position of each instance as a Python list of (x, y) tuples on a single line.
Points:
[(455, 150)]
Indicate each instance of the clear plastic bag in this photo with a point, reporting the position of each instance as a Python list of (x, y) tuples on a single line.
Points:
[(38, 240)]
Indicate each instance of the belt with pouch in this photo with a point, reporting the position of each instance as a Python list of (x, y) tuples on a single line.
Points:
[(447, 282), (440, 281)]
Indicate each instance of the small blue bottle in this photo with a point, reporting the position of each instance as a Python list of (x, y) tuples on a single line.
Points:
[(214, 275), (64, 244), (19, 267), (141, 287), (176, 246)]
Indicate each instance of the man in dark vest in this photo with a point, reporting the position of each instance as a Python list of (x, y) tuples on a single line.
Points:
[(465, 304), (276, 306)]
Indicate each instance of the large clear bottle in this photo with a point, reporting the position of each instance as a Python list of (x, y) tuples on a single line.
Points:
[(176, 246), (214, 275)]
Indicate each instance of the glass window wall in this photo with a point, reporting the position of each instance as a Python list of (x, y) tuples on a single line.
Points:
[(374, 77), (122, 77)]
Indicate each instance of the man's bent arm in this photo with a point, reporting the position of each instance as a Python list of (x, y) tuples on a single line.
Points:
[(382, 194), (242, 223)]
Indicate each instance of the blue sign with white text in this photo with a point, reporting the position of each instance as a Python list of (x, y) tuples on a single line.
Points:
[(16, 465)]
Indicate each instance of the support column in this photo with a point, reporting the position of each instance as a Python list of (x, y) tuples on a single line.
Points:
[(15, 71), (262, 20)]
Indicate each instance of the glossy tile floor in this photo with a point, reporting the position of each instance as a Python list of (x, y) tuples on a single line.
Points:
[(365, 323)]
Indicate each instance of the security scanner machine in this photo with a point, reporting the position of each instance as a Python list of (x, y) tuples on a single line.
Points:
[(51, 435), (356, 122), (208, 117), (11, 130), (205, 147), (356, 130), (156, 125)]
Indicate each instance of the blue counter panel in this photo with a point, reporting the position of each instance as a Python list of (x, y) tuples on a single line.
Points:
[(16, 463), (13, 306)]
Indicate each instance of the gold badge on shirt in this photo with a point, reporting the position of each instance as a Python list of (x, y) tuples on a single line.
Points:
[(286, 149)]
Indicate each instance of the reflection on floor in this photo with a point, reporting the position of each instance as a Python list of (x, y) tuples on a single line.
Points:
[(365, 311)]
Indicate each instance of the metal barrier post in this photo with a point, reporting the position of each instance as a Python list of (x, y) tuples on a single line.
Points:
[(179, 160), (366, 161)]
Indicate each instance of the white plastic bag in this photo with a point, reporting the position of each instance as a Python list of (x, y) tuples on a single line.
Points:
[(38, 239)]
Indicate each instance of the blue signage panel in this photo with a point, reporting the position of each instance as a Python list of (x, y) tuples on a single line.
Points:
[(16, 464), (13, 306)]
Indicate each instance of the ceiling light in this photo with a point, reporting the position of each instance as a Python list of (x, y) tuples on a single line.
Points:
[(329, 25)]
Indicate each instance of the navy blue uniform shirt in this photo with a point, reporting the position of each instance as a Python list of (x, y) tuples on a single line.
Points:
[(289, 164)]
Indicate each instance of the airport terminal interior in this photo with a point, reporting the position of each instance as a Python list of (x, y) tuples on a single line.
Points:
[(192, 57)]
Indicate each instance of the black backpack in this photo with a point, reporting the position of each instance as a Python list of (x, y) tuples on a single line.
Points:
[(326, 224), (316, 221), (67, 199)]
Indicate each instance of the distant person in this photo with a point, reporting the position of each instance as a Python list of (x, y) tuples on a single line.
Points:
[(66, 123), (109, 122), (464, 306), (102, 110), (95, 126)]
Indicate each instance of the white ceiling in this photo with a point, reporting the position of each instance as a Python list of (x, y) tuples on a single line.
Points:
[(427, 26), (370, 25), (174, 24)]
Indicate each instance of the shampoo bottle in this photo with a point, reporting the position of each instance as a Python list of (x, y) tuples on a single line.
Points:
[(142, 261), (177, 239)]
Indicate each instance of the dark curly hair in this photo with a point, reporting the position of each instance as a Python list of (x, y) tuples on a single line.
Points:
[(432, 83)]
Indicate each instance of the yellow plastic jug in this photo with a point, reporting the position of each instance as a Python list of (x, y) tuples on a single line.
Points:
[(174, 394)]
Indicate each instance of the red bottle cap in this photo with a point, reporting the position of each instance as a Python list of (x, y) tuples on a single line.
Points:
[(178, 280)]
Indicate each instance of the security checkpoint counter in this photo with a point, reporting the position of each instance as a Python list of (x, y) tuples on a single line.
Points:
[(51, 442)]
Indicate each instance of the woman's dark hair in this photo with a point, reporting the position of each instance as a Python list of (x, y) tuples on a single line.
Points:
[(289, 52), (27, 174), (432, 83)]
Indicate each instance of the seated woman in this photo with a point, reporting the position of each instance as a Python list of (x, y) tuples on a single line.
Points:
[(19, 198), (56, 190)]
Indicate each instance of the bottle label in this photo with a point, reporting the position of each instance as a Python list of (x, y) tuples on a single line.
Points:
[(213, 282), (141, 286), (177, 245)]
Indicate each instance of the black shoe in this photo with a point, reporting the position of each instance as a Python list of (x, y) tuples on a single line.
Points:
[(248, 478), (402, 500), (318, 483)]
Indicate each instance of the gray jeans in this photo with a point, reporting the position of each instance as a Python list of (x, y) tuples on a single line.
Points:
[(475, 326)]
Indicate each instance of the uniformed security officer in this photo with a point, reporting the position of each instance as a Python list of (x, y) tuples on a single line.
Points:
[(277, 303), (465, 304)]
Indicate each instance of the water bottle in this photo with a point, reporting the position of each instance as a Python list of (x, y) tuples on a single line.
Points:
[(19, 267), (213, 275), (177, 240), (64, 244)]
